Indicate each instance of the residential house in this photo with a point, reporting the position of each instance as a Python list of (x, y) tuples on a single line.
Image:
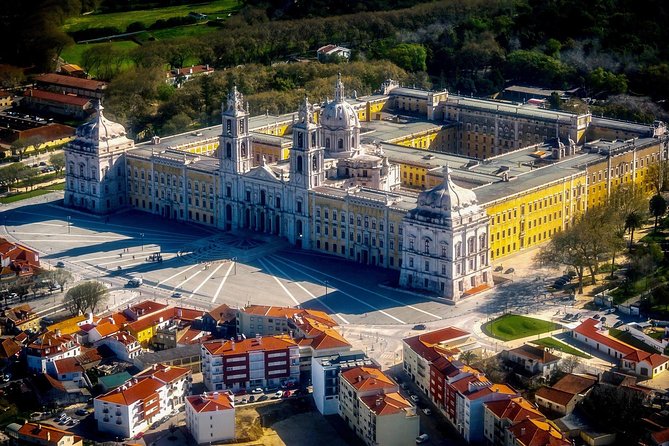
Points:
[(45, 435), (660, 438), (123, 344), (533, 360), (135, 405), (331, 53), (69, 326), (17, 260), (248, 363), (210, 417), (20, 318), (313, 330), (325, 377), (9, 349), (419, 351), (500, 415), (54, 393), (370, 403), (591, 333), (220, 321), (50, 347), (59, 83), (179, 76), (533, 432), (562, 397), (67, 369)]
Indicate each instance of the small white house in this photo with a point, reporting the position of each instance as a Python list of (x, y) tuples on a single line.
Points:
[(210, 417)]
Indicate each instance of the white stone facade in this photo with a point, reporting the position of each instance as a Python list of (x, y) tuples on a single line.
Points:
[(446, 242)]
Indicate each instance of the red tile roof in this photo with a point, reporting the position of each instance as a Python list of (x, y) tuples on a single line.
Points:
[(588, 328), (211, 402), (368, 378), (151, 320), (61, 98), (661, 436), (72, 82), (146, 308), (196, 69), (231, 348), (8, 348), (514, 409), (52, 343), (386, 404), (575, 384), (537, 433), (653, 359), (535, 353), (554, 395), (222, 313), (164, 373), (67, 365), (427, 345), (132, 391), (43, 432)]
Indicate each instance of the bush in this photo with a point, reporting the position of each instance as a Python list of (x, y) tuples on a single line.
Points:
[(94, 33), (135, 26)]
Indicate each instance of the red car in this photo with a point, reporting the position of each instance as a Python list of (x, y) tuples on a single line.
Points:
[(287, 393)]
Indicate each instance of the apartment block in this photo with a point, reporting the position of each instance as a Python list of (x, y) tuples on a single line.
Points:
[(210, 417)]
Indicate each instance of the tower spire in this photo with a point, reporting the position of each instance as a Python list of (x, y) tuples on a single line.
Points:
[(339, 89)]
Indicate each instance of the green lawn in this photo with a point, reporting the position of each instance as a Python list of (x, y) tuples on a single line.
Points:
[(513, 326), (182, 31), (73, 53), (561, 346), (30, 194), (148, 16), (627, 338)]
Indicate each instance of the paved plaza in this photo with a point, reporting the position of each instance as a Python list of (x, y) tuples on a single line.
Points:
[(210, 267)]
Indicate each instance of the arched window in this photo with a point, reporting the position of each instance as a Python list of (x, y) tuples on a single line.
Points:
[(340, 143), (299, 164), (482, 241), (228, 150), (243, 149), (315, 162), (327, 143), (427, 246)]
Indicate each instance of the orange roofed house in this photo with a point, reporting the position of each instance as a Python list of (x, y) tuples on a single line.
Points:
[(49, 347), (248, 363), (149, 396), (16, 260), (370, 403), (42, 434), (500, 415), (210, 417), (313, 330)]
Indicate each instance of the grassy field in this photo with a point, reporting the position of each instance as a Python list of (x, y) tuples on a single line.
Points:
[(513, 326), (73, 54), (561, 346), (148, 16), (33, 193)]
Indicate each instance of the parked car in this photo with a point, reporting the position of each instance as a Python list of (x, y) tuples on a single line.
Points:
[(603, 320), (60, 265), (176, 294), (596, 316), (287, 393), (262, 398), (499, 268), (509, 271), (277, 394), (427, 411), (42, 163), (256, 390), (252, 399), (415, 398), (81, 412), (403, 386), (419, 327), (618, 324), (422, 438)]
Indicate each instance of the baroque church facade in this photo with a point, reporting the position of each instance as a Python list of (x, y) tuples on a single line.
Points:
[(432, 244)]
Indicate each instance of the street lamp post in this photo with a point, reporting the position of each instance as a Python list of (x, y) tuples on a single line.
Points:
[(141, 234), (234, 259), (69, 218), (326, 287)]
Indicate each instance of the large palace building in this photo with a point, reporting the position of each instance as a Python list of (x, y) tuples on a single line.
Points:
[(431, 184)]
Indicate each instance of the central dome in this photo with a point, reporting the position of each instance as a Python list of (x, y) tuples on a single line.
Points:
[(339, 114), (100, 128), (446, 198)]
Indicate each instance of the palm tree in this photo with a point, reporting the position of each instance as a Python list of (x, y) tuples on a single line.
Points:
[(658, 206), (468, 357), (633, 221)]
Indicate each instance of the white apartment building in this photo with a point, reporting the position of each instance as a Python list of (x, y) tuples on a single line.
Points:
[(248, 363), (50, 347), (210, 417), (370, 403), (149, 396)]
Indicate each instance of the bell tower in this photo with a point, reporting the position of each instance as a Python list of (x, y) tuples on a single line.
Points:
[(235, 142), (307, 168)]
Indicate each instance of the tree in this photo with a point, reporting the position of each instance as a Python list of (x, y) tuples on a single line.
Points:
[(59, 276), (87, 295), (657, 207), (409, 56), (468, 357), (569, 363), (658, 175), (57, 160), (604, 83), (633, 221)]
